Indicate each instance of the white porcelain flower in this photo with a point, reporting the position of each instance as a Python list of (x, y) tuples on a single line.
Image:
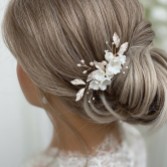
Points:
[(114, 65), (102, 76), (99, 85), (98, 80)]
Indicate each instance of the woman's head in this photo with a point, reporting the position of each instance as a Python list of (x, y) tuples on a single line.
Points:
[(49, 38)]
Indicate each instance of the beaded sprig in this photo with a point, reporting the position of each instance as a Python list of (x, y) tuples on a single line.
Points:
[(100, 74)]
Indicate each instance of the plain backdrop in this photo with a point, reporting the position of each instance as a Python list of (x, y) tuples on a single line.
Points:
[(25, 130)]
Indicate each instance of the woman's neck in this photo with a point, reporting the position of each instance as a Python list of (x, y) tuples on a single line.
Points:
[(93, 136), (73, 133)]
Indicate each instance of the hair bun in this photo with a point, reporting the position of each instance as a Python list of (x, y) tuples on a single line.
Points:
[(143, 34), (141, 96)]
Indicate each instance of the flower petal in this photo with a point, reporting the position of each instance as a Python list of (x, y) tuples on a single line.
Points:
[(123, 48), (94, 85), (113, 69), (99, 65), (104, 84), (116, 39), (122, 59), (108, 55), (78, 82), (80, 94), (103, 87), (96, 75), (109, 74)]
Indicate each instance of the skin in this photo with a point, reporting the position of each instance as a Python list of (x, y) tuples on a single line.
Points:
[(92, 133), (28, 88)]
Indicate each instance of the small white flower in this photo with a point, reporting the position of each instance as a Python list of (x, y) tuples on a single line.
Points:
[(108, 55), (113, 68), (96, 75), (100, 85), (104, 84), (94, 85), (98, 80)]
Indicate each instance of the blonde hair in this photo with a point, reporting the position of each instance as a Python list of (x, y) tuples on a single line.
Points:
[(49, 38)]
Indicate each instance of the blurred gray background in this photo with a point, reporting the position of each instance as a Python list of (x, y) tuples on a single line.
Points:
[(25, 130)]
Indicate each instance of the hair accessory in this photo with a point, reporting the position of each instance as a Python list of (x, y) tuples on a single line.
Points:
[(100, 74), (44, 100)]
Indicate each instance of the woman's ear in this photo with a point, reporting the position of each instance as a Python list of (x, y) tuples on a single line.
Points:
[(29, 89)]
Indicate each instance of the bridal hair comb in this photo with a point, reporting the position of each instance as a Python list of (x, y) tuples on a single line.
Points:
[(100, 74)]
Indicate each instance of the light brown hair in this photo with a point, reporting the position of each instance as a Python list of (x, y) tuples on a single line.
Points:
[(49, 38)]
